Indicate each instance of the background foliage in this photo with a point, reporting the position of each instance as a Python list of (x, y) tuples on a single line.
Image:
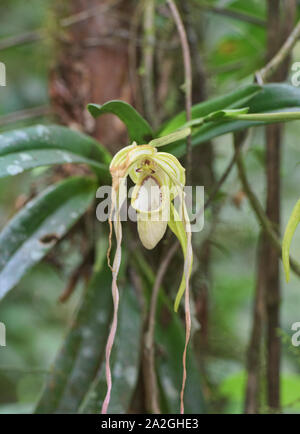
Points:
[(36, 323)]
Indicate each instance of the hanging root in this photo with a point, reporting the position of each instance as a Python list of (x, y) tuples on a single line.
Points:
[(115, 295), (109, 346)]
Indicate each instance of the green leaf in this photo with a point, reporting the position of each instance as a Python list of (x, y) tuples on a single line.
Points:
[(138, 128), (231, 100), (124, 362), (46, 145), (287, 239), (83, 349), (273, 98), (30, 235)]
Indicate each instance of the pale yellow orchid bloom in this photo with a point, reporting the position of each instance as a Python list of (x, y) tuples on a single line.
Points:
[(159, 178)]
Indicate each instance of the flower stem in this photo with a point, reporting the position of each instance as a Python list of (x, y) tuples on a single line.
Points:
[(279, 117)]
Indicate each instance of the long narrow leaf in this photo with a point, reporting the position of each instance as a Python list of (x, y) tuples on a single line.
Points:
[(46, 145), (30, 235), (125, 360), (82, 352), (230, 100), (272, 98)]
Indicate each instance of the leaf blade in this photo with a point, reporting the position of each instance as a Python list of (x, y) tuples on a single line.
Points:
[(36, 146), (273, 97), (230, 100), (82, 351), (48, 216), (138, 128), (125, 360)]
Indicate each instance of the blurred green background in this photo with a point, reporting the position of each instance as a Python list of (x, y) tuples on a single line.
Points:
[(36, 322)]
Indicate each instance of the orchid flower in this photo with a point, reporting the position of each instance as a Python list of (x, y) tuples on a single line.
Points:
[(159, 178)]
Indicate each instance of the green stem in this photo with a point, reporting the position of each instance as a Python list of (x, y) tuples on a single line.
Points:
[(280, 117)]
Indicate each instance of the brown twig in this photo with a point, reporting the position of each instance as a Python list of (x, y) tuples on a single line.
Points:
[(88, 13), (188, 78), (259, 212), (222, 179), (148, 350), (38, 34), (82, 269), (22, 115), (267, 71), (218, 184), (24, 38), (114, 37)]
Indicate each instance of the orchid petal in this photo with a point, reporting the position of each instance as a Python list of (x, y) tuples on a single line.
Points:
[(178, 228), (151, 232)]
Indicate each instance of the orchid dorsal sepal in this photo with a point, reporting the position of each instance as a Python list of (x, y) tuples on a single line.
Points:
[(287, 238), (171, 138)]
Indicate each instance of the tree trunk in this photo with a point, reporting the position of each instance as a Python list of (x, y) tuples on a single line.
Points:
[(277, 32), (92, 65)]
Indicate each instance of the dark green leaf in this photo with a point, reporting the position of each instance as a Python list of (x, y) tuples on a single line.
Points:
[(82, 352), (170, 337), (46, 145), (138, 128), (124, 362), (30, 235), (237, 98), (272, 98)]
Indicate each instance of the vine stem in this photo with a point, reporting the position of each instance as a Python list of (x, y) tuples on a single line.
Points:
[(149, 365), (258, 210), (188, 79), (279, 57)]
